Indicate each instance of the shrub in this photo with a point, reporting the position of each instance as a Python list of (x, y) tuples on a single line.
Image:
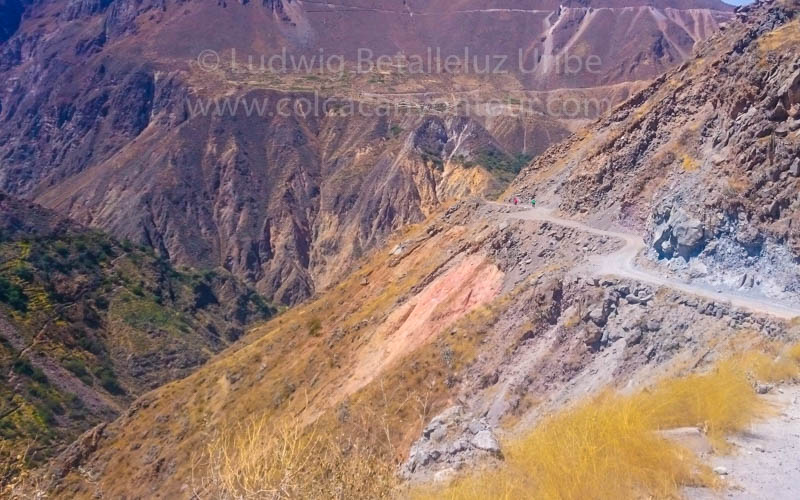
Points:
[(48, 402), (78, 368), (62, 249), (493, 159), (24, 273), (13, 295), (24, 367), (720, 402), (90, 344), (771, 368), (793, 353), (314, 327), (108, 380), (101, 302)]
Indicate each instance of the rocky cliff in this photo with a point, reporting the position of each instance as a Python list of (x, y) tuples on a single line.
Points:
[(705, 160)]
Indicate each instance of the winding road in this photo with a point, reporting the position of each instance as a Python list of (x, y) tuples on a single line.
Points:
[(622, 264)]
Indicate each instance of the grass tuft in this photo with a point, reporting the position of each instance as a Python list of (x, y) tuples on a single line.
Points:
[(771, 368)]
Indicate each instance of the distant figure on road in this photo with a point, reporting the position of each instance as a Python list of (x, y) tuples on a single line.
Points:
[(516, 200), (533, 202)]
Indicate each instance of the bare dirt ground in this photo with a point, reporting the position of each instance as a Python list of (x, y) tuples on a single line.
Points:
[(765, 464)]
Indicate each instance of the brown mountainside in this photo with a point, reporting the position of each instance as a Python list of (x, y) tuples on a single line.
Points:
[(487, 317), (99, 119)]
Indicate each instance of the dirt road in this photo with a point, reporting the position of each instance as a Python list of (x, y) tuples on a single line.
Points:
[(622, 263)]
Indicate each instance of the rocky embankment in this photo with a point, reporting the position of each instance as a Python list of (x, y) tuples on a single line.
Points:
[(705, 161)]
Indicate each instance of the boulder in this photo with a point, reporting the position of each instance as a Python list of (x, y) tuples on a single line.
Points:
[(794, 170), (485, 440), (689, 236), (636, 299), (698, 270), (653, 325), (457, 447), (678, 233), (475, 427), (444, 475), (779, 114)]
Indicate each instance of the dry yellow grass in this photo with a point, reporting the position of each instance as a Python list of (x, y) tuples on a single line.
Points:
[(719, 402), (689, 164), (770, 367), (779, 39), (574, 453), (793, 353), (261, 460)]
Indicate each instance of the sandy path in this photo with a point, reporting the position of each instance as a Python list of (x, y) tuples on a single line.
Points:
[(622, 263), (766, 463)]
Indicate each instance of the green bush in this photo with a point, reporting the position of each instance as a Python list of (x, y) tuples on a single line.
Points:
[(108, 380), (24, 273), (493, 159), (101, 302), (78, 368), (24, 367), (90, 344), (13, 295), (62, 249), (47, 401)]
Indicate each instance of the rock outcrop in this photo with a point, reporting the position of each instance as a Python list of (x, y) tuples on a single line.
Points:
[(703, 160)]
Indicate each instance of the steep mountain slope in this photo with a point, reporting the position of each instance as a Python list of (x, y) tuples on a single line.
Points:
[(486, 316), (10, 17), (102, 98), (706, 161), (88, 323)]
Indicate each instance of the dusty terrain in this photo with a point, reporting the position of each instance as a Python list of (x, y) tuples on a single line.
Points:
[(555, 329), (763, 464)]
